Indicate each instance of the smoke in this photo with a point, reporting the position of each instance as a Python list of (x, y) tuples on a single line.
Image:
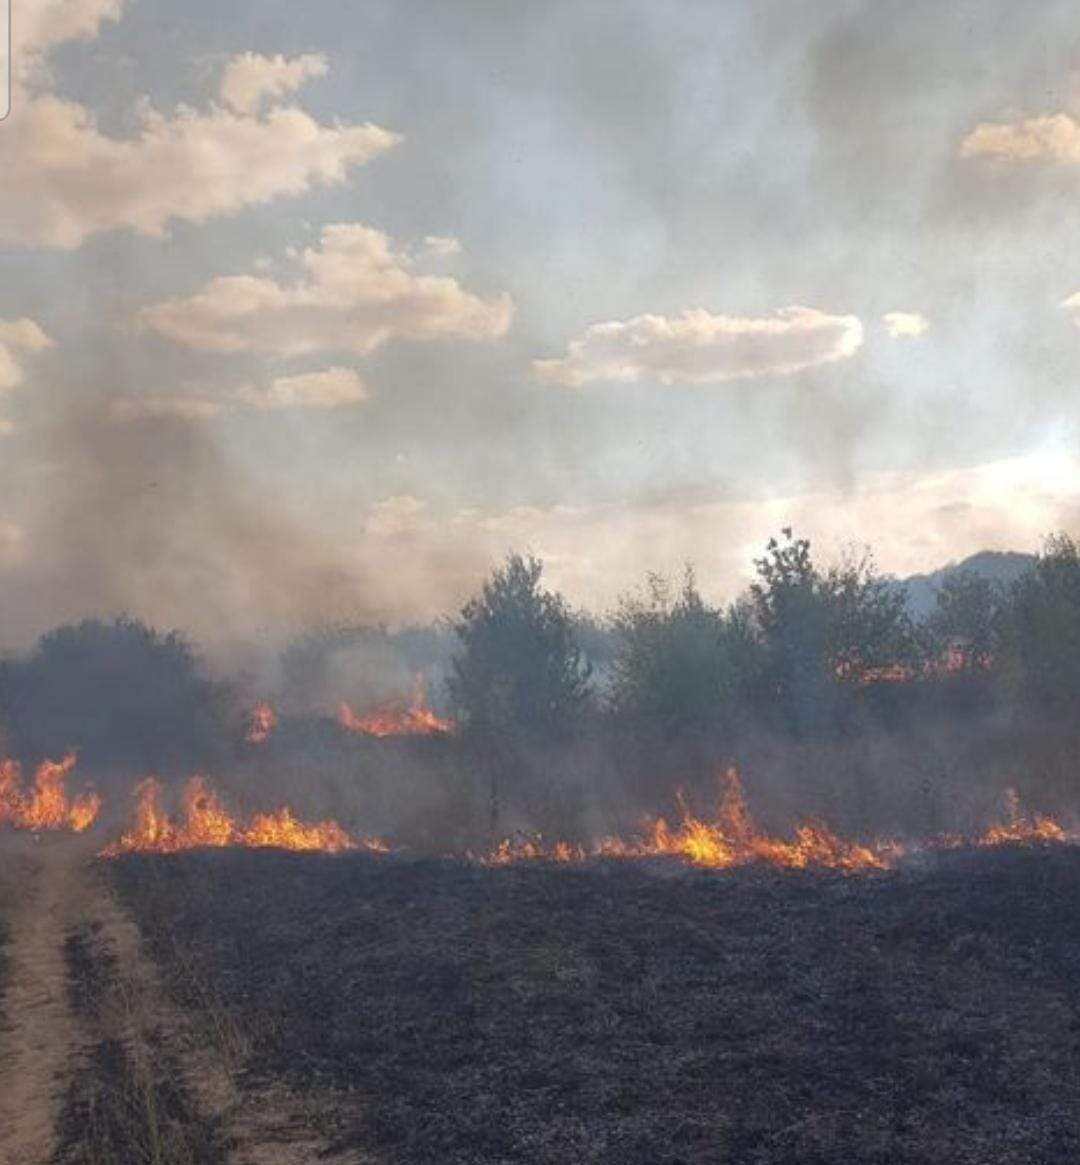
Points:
[(150, 517)]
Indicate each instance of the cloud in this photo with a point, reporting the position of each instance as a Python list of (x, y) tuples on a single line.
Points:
[(328, 388), (43, 24), (905, 324), (444, 245), (19, 338), (700, 348), (357, 291), (1051, 137), (250, 80), (65, 180)]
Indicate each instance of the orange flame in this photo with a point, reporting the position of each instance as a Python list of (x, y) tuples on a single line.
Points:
[(409, 716), (729, 840), (261, 723), (47, 805), (1020, 828), (207, 823)]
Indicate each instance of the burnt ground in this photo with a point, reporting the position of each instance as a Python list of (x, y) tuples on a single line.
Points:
[(128, 1101), (641, 1015)]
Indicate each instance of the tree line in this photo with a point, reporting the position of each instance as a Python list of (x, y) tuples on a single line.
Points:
[(809, 650)]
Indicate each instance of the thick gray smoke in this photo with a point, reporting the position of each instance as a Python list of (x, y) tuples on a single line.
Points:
[(148, 517)]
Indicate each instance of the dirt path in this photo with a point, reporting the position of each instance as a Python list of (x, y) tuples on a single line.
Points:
[(39, 1039), (93, 1057)]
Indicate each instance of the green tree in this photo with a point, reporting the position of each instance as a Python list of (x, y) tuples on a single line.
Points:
[(824, 633), (1040, 629), (962, 627), (682, 663), (868, 626), (519, 667), (120, 692)]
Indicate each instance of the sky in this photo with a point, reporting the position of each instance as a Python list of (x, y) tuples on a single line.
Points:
[(315, 312)]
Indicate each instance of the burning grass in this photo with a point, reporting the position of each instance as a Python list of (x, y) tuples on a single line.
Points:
[(726, 840), (539, 1013), (730, 838), (45, 805), (205, 822), (406, 716)]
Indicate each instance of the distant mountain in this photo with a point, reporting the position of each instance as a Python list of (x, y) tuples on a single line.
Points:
[(998, 566)]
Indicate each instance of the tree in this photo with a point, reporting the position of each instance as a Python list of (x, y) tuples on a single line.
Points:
[(682, 664), (1039, 627), (519, 667), (791, 613), (120, 692), (869, 628), (825, 634), (962, 627)]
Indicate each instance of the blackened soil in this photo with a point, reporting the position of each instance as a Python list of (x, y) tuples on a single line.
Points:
[(618, 1013)]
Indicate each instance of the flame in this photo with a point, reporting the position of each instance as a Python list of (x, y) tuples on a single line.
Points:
[(1022, 828), (208, 824), (731, 839), (281, 830), (408, 716), (46, 806), (261, 723)]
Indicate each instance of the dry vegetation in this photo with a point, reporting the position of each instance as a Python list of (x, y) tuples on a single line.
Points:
[(635, 1014)]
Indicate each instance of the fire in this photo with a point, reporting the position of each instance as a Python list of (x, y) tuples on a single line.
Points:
[(261, 723), (47, 805), (281, 830), (408, 716), (206, 823), (731, 839), (1022, 828)]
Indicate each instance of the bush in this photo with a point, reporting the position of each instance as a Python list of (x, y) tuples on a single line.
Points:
[(120, 692), (682, 664), (520, 667), (1039, 628)]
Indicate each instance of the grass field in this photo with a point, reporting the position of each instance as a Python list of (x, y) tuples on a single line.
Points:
[(626, 1013)]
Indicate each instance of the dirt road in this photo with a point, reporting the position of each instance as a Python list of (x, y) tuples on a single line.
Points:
[(46, 888), (95, 1063)]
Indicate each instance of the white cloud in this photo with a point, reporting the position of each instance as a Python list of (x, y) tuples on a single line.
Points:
[(443, 245), (41, 25), (905, 324), (19, 338), (356, 292), (328, 389), (1053, 137), (250, 80), (700, 348), (65, 180)]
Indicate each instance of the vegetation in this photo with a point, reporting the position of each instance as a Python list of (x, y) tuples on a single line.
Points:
[(810, 653), (120, 692), (520, 667)]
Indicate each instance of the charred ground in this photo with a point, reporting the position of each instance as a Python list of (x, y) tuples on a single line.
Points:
[(622, 1012)]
